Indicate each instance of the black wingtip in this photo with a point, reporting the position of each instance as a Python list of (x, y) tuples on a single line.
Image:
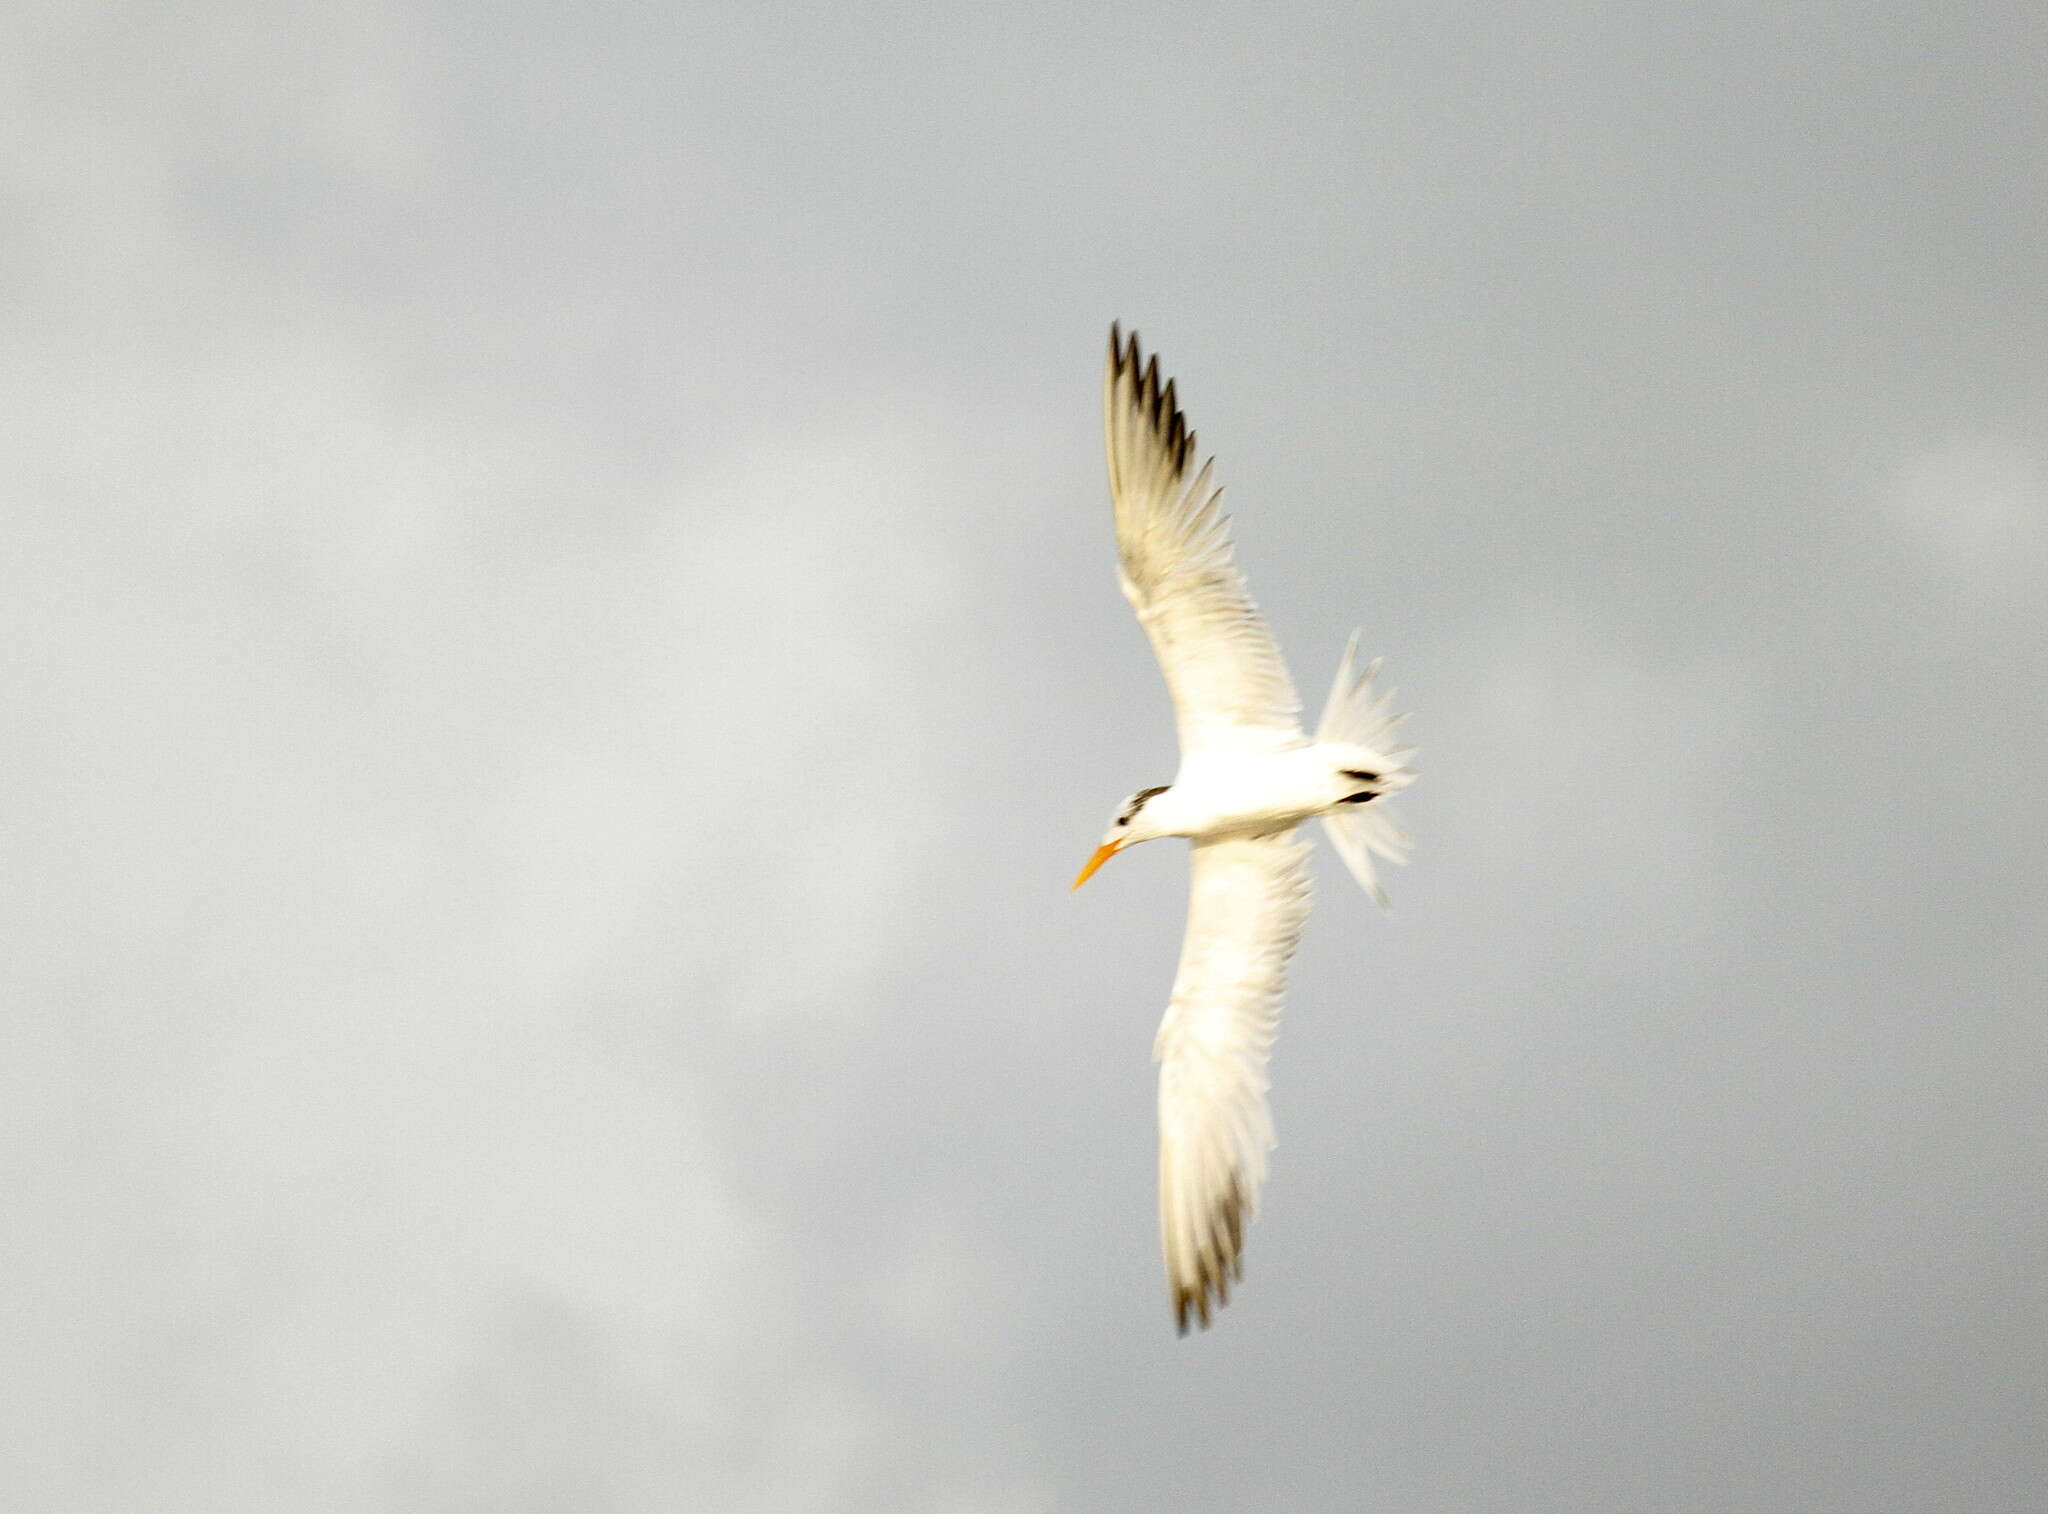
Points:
[(1124, 350), (1155, 397)]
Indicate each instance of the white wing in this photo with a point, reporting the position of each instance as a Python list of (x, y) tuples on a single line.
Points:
[(1247, 900), (1230, 688)]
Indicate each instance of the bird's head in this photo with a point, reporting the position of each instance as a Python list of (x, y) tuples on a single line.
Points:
[(1133, 823)]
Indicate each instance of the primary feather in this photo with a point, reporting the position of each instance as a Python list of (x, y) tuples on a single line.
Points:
[(1248, 898), (1229, 685)]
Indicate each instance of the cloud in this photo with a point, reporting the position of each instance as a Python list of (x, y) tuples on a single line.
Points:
[(1975, 504), (562, 650), (377, 765)]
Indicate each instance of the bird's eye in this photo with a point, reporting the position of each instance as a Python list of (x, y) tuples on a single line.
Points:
[(1123, 820)]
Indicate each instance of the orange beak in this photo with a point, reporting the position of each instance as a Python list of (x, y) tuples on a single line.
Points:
[(1102, 854)]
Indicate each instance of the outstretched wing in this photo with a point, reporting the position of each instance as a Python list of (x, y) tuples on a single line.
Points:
[(1230, 688), (1247, 899)]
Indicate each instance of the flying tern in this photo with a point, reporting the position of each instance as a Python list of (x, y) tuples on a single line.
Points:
[(1249, 777)]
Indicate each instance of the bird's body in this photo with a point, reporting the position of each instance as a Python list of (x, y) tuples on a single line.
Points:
[(1218, 794), (1249, 776)]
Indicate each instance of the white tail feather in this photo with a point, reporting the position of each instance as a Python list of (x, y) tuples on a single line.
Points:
[(1355, 716)]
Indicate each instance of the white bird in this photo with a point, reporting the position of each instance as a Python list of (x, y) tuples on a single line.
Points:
[(1248, 778)]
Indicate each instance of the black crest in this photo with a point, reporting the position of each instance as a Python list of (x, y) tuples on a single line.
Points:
[(1137, 802)]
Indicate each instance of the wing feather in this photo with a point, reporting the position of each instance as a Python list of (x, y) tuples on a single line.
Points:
[(1229, 684), (1248, 897)]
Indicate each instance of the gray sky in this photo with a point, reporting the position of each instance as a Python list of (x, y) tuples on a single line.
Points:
[(562, 651)]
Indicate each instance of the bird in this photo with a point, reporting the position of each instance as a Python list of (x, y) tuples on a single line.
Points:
[(1249, 778)]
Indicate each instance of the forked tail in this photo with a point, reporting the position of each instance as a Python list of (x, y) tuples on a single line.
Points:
[(1356, 716)]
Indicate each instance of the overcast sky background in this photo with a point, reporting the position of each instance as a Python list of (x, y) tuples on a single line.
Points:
[(561, 651)]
